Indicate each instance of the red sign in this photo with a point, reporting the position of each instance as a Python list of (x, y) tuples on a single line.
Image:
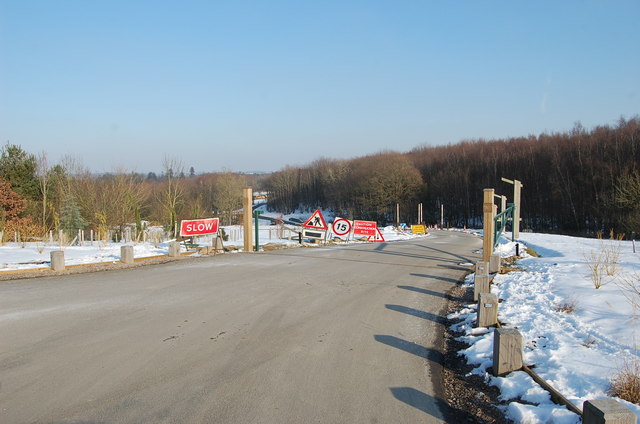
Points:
[(377, 238), (364, 228), (198, 227), (316, 221)]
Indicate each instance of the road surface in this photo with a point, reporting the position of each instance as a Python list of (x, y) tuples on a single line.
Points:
[(333, 335)]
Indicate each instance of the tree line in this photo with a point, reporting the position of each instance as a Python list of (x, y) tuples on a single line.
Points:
[(580, 181), (37, 197)]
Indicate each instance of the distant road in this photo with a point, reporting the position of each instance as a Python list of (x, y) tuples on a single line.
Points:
[(334, 335)]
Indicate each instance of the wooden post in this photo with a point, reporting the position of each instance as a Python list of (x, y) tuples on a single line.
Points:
[(608, 411), (481, 280), (126, 254), (487, 310), (494, 263), (247, 205), (517, 187), (487, 224), (507, 351), (57, 260)]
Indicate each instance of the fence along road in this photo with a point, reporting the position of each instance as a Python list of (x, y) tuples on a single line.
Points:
[(333, 335)]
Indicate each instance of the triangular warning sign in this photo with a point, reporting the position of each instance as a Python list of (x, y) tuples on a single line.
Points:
[(377, 238), (316, 221)]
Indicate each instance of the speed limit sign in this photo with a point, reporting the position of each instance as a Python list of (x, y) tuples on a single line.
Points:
[(341, 227)]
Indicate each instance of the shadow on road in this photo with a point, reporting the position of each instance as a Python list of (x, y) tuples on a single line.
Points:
[(410, 347), (429, 292), (436, 277), (444, 252), (417, 313), (419, 400)]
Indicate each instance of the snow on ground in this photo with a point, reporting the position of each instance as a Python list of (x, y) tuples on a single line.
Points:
[(19, 256), (576, 351)]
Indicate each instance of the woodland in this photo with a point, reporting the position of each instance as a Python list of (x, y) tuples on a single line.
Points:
[(575, 182)]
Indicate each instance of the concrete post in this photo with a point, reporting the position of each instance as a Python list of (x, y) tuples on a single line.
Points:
[(247, 205), (218, 246), (481, 280), (487, 310), (607, 411), (174, 249), (57, 260), (126, 254), (494, 263), (487, 224), (507, 351)]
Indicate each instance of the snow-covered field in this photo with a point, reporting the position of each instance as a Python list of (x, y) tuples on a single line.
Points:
[(575, 335)]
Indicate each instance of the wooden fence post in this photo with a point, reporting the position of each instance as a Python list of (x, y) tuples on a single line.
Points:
[(481, 280), (507, 351), (494, 263), (247, 204), (487, 310), (487, 224)]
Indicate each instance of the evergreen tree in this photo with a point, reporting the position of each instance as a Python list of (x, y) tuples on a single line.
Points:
[(19, 169), (71, 219)]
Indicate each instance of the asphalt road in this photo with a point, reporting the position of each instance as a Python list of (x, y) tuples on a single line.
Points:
[(334, 335)]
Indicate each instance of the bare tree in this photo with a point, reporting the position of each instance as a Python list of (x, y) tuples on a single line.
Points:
[(172, 195), (43, 174), (228, 194)]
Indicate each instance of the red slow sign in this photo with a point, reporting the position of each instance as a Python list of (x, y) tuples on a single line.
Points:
[(198, 227), (364, 228)]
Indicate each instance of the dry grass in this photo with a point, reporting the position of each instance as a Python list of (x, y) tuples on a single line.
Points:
[(595, 262), (532, 252), (568, 306), (626, 383), (509, 265)]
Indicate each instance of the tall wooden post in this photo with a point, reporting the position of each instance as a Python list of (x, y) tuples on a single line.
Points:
[(487, 224), (517, 187), (247, 205)]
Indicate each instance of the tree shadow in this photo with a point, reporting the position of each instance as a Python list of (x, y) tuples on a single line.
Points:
[(416, 313), (422, 401), (410, 347)]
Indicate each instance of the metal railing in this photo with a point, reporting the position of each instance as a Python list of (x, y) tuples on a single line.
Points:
[(500, 223)]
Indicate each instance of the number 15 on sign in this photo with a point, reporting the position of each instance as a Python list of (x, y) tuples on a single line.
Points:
[(341, 227)]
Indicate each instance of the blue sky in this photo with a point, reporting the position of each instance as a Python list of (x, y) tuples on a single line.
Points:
[(257, 85)]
